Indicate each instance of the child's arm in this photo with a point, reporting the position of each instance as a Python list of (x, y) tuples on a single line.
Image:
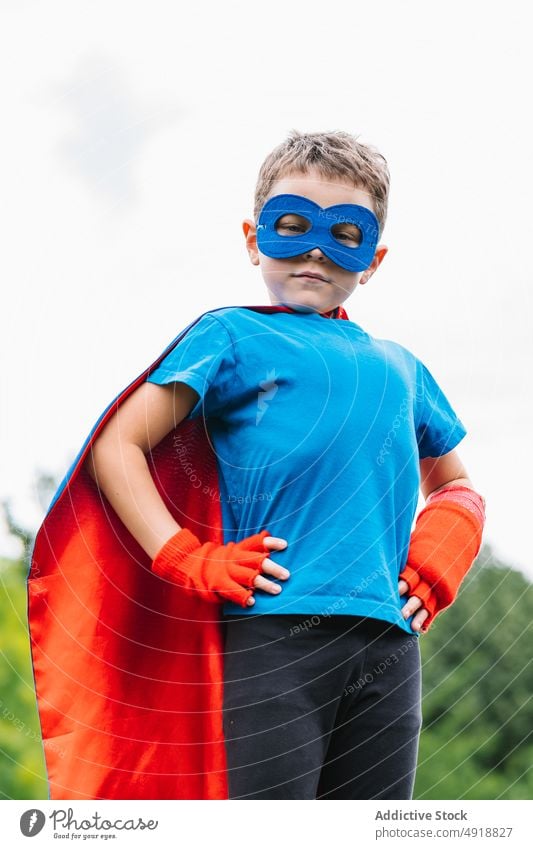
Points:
[(118, 463), (437, 472), (459, 532), (119, 467)]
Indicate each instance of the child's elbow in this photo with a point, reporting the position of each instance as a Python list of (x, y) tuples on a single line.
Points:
[(98, 455)]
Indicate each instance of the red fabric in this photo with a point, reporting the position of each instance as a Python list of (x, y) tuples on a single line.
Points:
[(128, 669), (444, 544), (213, 572)]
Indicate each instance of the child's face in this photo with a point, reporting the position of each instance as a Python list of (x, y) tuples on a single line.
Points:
[(285, 278)]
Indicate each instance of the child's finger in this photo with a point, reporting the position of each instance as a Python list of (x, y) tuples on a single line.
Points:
[(261, 583), (412, 604), (271, 568), (419, 619), (275, 542), (403, 587)]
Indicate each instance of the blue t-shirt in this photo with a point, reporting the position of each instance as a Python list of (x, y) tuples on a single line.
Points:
[(318, 429)]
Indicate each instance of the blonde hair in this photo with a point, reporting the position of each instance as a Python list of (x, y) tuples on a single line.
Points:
[(336, 154)]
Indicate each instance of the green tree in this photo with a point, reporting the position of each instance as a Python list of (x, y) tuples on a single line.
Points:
[(22, 765), (476, 740)]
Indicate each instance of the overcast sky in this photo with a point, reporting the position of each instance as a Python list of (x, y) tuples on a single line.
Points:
[(127, 124)]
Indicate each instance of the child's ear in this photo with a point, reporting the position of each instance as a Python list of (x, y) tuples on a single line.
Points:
[(379, 256), (250, 235)]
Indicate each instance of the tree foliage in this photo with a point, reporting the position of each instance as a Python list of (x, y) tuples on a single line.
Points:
[(477, 734), (22, 769)]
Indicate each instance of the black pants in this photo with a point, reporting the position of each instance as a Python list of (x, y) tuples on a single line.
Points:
[(320, 707)]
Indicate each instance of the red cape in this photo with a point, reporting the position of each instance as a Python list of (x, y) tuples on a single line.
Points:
[(128, 670)]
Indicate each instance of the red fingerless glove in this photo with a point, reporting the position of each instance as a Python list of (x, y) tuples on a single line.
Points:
[(444, 544), (423, 591), (213, 572)]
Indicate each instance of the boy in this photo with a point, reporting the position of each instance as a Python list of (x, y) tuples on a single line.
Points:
[(322, 436)]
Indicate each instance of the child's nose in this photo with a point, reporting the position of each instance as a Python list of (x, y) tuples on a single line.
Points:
[(315, 253)]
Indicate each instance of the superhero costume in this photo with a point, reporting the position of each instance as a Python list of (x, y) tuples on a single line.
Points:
[(129, 673)]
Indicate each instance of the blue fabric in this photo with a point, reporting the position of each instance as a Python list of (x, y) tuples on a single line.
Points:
[(318, 429), (323, 229)]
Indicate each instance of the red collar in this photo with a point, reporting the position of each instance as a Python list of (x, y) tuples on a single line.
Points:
[(337, 312)]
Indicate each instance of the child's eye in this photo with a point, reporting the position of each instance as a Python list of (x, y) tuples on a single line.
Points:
[(290, 228), (292, 225), (350, 237)]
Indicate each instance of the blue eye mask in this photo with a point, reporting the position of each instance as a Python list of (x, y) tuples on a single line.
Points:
[(290, 225)]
